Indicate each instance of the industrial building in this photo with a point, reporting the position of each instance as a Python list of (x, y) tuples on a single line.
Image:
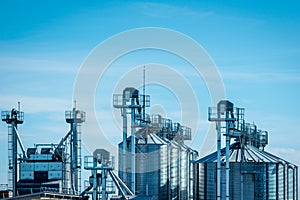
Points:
[(153, 160), (44, 167)]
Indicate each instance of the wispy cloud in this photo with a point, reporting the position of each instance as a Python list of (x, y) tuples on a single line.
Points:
[(163, 10), (261, 77), (10, 63), (33, 104)]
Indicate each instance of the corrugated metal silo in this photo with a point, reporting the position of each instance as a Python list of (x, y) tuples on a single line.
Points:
[(260, 176), (162, 167)]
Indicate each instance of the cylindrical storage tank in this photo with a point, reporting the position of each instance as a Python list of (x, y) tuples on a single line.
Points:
[(260, 176), (151, 167)]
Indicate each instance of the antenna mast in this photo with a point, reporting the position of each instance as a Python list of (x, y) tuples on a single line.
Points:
[(144, 92)]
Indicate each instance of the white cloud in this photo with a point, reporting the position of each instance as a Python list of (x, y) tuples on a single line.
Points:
[(32, 104), (162, 10), (261, 77), (10, 63)]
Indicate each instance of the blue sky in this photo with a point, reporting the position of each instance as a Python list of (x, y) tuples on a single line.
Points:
[(254, 44)]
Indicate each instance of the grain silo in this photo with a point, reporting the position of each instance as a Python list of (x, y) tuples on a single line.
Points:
[(162, 166), (253, 173), (260, 175), (153, 160)]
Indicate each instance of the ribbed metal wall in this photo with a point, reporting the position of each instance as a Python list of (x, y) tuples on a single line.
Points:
[(164, 172), (274, 180), (162, 168), (270, 181), (192, 156), (184, 173), (280, 181), (174, 171), (272, 176)]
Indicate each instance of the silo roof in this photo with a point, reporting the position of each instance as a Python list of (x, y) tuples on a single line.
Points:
[(152, 139), (251, 154)]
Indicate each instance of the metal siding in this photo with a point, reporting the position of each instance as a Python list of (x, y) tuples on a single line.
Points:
[(163, 170), (196, 175), (211, 188), (260, 181), (153, 158), (174, 171), (265, 177), (184, 168), (296, 183), (280, 181), (248, 189), (55, 175), (55, 166), (192, 178), (163, 192), (141, 166), (26, 166), (201, 181), (41, 166), (41, 157), (223, 181), (235, 181), (272, 181), (27, 175), (290, 186)]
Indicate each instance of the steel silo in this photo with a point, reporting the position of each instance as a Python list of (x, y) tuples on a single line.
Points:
[(261, 175)]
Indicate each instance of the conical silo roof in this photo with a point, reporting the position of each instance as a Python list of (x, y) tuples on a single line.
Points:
[(251, 154)]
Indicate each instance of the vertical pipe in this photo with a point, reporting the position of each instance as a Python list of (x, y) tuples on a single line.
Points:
[(75, 156), (14, 158), (296, 183), (103, 183), (179, 172), (169, 170), (71, 164), (188, 170), (144, 93), (123, 165), (277, 182), (219, 160), (95, 195), (241, 166), (227, 155), (132, 147)]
